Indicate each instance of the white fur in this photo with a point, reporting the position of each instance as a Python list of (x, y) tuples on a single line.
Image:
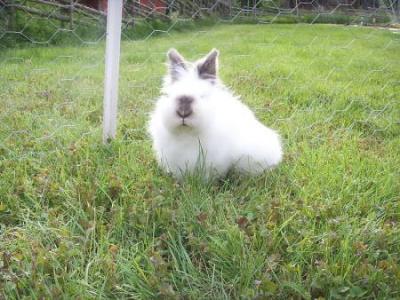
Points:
[(221, 134)]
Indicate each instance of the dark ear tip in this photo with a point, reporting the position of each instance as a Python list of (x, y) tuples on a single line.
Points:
[(171, 52), (214, 52)]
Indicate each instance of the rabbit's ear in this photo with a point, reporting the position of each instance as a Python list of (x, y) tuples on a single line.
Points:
[(176, 64), (208, 67)]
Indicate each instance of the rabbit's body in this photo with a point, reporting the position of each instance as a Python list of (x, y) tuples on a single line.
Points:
[(199, 125)]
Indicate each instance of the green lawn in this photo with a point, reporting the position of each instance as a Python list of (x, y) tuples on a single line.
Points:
[(79, 220)]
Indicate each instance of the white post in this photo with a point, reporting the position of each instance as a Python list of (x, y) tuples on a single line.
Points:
[(114, 18)]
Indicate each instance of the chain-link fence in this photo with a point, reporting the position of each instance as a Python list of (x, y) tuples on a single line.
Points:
[(84, 21), (81, 219)]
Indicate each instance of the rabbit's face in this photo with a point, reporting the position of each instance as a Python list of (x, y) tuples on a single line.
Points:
[(186, 104)]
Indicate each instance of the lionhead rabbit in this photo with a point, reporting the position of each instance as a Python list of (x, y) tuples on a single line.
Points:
[(198, 125)]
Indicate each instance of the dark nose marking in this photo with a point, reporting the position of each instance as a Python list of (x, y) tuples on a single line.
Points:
[(185, 106)]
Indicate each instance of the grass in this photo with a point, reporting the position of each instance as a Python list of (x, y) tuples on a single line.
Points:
[(82, 220)]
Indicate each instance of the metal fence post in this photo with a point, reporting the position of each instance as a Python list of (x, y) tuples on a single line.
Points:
[(113, 41)]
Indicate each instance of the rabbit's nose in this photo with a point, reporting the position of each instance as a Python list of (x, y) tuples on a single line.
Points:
[(184, 113), (184, 106)]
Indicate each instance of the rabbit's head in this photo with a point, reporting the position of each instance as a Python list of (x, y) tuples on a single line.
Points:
[(188, 92)]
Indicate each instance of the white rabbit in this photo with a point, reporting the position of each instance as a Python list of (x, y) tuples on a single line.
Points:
[(198, 125)]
